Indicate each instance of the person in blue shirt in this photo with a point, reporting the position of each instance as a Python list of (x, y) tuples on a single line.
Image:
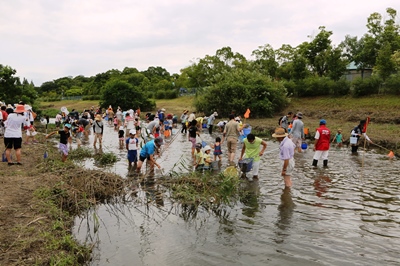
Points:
[(147, 152)]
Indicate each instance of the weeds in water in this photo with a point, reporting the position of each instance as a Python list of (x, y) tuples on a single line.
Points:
[(103, 159), (203, 189), (80, 154)]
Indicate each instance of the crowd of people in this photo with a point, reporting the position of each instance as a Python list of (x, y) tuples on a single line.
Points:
[(143, 139)]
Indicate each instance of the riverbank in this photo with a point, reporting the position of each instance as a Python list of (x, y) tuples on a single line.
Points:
[(39, 201)]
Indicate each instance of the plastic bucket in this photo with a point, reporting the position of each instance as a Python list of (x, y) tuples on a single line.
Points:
[(304, 146), (203, 143), (353, 140), (246, 131), (241, 138), (306, 131), (246, 165), (214, 165)]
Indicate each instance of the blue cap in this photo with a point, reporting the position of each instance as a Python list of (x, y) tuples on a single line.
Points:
[(322, 122), (67, 125)]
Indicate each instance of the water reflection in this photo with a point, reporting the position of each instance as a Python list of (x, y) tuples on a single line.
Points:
[(250, 198), (321, 185), (285, 211)]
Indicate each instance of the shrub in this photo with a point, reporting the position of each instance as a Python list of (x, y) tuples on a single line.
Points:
[(160, 94), (366, 86), (91, 97), (315, 86), (392, 84), (340, 87)]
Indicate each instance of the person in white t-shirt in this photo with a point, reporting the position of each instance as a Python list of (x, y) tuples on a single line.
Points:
[(13, 133)]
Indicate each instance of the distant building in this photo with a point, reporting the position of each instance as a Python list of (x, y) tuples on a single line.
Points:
[(352, 72)]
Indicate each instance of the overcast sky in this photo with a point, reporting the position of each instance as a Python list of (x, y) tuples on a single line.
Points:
[(49, 39)]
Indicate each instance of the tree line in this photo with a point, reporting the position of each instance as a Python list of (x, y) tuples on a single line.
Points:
[(227, 81)]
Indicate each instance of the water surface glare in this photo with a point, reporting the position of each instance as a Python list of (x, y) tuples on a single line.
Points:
[(347, 214)]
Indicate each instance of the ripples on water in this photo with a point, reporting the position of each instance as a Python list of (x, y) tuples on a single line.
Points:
[(348, 214)]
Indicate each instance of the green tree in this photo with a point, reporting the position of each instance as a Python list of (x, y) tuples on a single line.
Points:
[(121, 93), (241, 89), (265, 60), (10, 86)]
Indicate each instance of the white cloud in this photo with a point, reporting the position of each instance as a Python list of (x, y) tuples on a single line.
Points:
[(45, 40)]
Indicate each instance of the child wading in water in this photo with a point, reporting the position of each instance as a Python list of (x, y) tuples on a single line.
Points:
[(199, 158), (217, 148), (338, 139), (121, 133), (207, 157), (132, 146), (65, 137)]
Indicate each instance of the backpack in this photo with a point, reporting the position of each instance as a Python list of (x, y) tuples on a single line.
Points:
[(279, 121)]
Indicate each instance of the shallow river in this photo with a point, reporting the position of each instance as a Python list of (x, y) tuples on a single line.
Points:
[(347, 214)]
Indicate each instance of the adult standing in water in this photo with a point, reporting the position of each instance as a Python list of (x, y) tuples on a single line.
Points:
[(357, 133), (147, 153), (184, 118), (231, 134), (286, 154), (297, 131), (322, 143), (211, 121), (251, 148)]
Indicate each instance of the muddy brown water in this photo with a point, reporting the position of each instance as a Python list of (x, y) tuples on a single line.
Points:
[(347, 214)]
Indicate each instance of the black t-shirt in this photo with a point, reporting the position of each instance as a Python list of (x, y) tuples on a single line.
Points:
[(192, 131), (64, 136)]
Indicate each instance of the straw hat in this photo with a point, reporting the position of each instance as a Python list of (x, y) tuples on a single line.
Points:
[(98, 118), (20, 109), (279, 133)]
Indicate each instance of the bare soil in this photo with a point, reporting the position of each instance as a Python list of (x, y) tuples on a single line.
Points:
[(39, 201)]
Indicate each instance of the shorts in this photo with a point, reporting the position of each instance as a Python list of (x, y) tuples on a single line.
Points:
[(193, 141), (132, 156), (232, 144), (15, 143), (290, 167), (143, 158), (63, 148)]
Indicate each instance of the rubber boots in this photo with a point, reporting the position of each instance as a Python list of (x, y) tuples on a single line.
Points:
[(325, 163), (314, 163)]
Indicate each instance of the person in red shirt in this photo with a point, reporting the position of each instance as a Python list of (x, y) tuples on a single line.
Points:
[(4, 113), (322, 142)]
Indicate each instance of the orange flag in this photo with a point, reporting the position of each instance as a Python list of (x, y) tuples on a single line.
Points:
[(247, 114), (364, 130)]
